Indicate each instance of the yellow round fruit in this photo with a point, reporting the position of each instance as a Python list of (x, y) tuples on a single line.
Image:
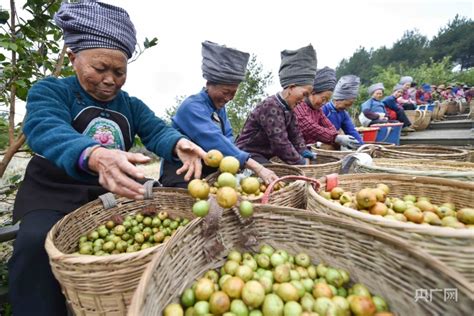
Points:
[(250, 185), (229, 164), (226, 197), (213, 158), (198, 189)]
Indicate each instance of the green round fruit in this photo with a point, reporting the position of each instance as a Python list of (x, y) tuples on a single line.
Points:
[(201, 208)]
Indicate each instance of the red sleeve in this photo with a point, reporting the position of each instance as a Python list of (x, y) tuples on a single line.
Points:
[(314, 126)]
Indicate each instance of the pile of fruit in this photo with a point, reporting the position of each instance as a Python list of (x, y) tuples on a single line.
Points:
[(230, 187), (410, 208), (274, 283), (129, 234)]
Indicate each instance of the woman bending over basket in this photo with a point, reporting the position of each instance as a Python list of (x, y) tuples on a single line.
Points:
[(202, 117), (81, 128), (271, 129)]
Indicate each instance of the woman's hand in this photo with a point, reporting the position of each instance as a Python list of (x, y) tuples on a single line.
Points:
[(190, 155), (117, 171), (267, 175)]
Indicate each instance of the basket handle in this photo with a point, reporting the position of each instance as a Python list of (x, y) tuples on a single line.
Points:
[(109, 201), (266, 196), (332, 181)]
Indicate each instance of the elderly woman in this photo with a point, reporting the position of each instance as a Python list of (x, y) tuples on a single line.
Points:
[(373, 110), (81, 128), (345, 93), (271, 129), (405, 99), (312, 122), (390, 102), (202, 117)]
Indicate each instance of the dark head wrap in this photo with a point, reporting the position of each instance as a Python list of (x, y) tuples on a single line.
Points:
[(375, 87), (347, 88), (90, 24), (298, 66), (325, 80), (222, 64)]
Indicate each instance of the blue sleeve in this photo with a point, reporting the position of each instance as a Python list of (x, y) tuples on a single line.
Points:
[(228, 128), (366, 105), (155, 134), (390, 103), (48, 128), (349, 128), (194, 121), (325, 109)]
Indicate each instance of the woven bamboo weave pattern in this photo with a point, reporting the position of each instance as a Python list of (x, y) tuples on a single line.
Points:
[(104, 285), (388, 266), (422, 152), (455, 247), (324, 165)]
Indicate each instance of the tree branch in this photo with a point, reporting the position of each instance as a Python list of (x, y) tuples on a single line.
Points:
[(11, 150)]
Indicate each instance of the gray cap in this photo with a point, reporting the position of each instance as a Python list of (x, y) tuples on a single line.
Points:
[(397, 87), (298, 66), (375, 87), (222, 64), (325, 80), (90, 24), (347, 88), (406, 79)]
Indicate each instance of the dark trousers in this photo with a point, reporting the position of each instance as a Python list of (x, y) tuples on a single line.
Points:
[(402, 117), (169, 178), (33, 289)]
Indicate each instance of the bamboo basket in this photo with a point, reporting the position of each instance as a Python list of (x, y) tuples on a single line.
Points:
[(292, 195), (104, 285), (340, 154), (422, 152), (455, 170), (455, 247), (453, 108), (420, 120), (322, 166), (387, 265), (439, 110)]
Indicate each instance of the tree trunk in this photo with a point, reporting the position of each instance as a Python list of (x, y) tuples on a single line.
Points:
[(11, 151)]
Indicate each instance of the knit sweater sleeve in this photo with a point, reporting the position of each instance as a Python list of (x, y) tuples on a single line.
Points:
[(194, 121), (314, 126), (275, 128), (48, 128), (156, 135)]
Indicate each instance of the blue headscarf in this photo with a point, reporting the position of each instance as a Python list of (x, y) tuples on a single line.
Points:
[(90, 24)]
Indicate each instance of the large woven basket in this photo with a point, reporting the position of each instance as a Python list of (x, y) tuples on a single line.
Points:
[(420, 120), (439, 110), (388, 266), (455, 247), (292, 195), (322, 166), (455, 170), (104, 285), (454, 107), (421, 152), (339, 154)]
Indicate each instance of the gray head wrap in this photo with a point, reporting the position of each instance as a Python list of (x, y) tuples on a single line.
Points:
[(406, 79), (222, 64), (90, 24), (375, 87), (298, 66), (325, 80), (397, 87), (347, 88)]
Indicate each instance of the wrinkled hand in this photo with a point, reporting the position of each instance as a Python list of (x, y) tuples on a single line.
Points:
[(347, 141), (116, 171), (267, 175), (190, 155)]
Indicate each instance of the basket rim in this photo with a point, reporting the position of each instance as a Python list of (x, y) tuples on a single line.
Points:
[(379, 220), (404, 162), (397, 242), (55, 254), (454, 152)]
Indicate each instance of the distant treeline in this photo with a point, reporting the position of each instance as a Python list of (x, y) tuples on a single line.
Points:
[(455, 41)]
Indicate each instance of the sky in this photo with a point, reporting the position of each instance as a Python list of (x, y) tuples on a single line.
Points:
[(335, 28)]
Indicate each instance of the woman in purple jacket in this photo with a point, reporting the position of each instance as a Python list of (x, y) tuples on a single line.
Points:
[(271, 129)]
